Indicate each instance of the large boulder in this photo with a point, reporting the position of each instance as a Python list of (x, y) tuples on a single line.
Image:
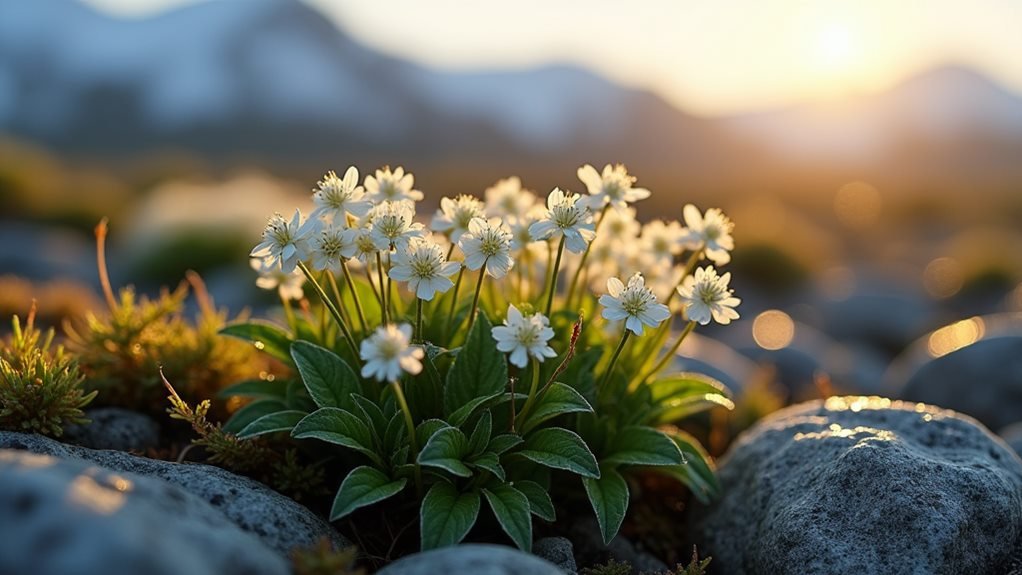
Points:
[(982, 379), (861, 485), (71, 517), (280, 522), (115, 428), (473, 558)]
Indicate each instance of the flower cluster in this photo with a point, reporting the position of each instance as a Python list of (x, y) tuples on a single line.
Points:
[(542, 266)]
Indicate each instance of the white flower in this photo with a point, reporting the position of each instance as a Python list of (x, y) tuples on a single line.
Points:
[(634, 303), (507, 199), (712, 231), (662, 240), (288, 285), (523, 336), (365, 246), (332, 245), (387, 186), (488, 242), (424, 267), (455, 215), (567, 216), (619, 227), (336, 197), (706, 295), (613, 187), (387, 353), (393, 224), (285, 243)]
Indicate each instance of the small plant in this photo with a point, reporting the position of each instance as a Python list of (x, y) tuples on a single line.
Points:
[(425, 406), (121, 352), (323, 559), (282, 470), (611, 567), (40, 390)]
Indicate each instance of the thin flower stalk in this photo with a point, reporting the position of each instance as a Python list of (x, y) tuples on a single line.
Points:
[(332, 308)]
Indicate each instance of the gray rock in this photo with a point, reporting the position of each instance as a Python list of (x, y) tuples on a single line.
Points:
[(70, 517), (1012, 435), (590, 549), (280, 522), (983, 379), (558, 551), (115, 428), (858, 485), (474, 559)]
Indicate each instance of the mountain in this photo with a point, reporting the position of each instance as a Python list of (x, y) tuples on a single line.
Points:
[(276, 77), (275, 81)]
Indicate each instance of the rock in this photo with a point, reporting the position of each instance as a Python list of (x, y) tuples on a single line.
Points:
[(475, 559), (886, 321), (590, 549), (115, 428), (558, 551), (70, 517), (1012, 435), (858, 485), (280, 522), (983, 379)]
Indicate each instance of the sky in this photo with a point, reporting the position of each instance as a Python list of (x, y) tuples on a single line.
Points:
[(710, 58)]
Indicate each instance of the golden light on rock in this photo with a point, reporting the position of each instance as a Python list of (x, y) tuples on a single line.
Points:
[(103, 498), (773, 330), (857, 205), (956, 336), (943, 277)]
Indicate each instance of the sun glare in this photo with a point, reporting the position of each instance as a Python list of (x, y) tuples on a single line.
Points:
[(836, 47)]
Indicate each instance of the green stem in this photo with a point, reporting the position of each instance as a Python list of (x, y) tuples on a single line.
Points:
[(475, 298), (553, 277), (372, 283), (337, 295), (585, 256), (532, 394), (454, 301), (418, 320), (289, 313), (333, 311), (354, 297), (667, 358), (391, 306), (410, 424), (613, 360), (383, 293), (689, 266)]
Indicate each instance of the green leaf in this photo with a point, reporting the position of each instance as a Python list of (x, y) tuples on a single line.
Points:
[(328, 378), (264, 335), (272, 423), (480, 437), (557, 400), (446, 450), (446, 516), (425, 392), (395, 432), (511, 507), (373, 415), (363, 486), (641, 445), (560, 449), (252, 412), (609, 497), (297, 397), (480, 370), (491, 463), (539, 499), (678, 385), (579, 373), (504, 442), (463, 413), (259, 388), (697, 472), (339, 427), (425, 430)]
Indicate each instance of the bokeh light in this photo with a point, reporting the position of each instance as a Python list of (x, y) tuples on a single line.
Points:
[(956, 336), (773, 330), (943, 277)]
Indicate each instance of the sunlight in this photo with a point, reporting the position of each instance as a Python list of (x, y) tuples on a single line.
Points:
[(836, 47)]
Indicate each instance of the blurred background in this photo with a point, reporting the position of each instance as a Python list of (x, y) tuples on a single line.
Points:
[(870, 152)]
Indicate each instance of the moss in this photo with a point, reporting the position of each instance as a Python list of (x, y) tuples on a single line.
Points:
[(40, 390)]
